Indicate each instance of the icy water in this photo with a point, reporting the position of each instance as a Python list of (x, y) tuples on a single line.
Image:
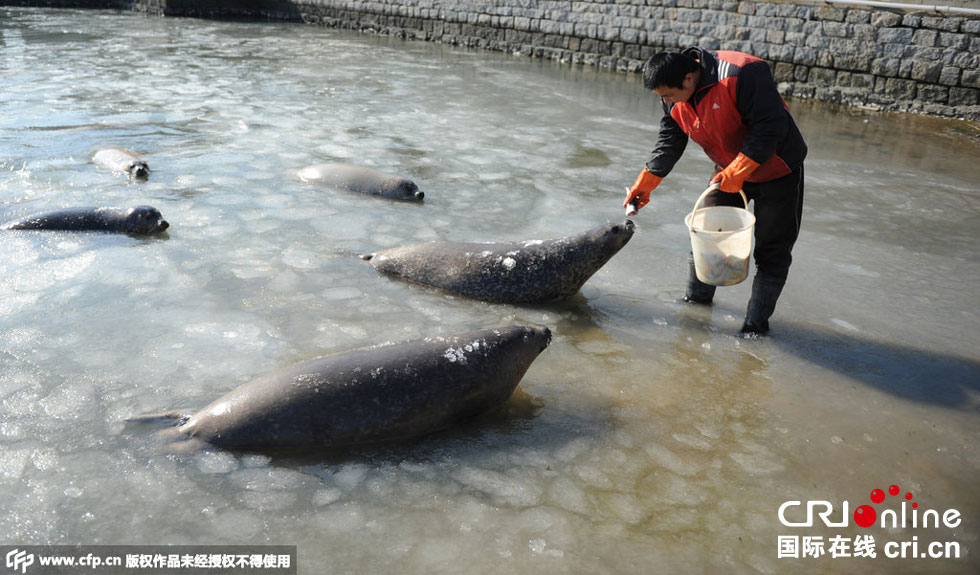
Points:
[(646, 439)]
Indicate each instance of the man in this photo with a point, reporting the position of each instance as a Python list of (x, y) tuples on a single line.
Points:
[(727, 102)]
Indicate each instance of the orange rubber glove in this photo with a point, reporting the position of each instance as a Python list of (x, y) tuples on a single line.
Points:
[(639, 194), (733, 176)]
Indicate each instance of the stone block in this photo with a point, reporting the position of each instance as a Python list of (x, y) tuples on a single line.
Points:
[(781, 53), (794, 11), (794, 25), (829, 13), (945, 23), (950, 76), (822, 77), (970, 79), (885, 67), (801, 73), (632, 35), (804, 55), (709, 42), (852, 62), (895, 35), (932, 94), (783, 72), (926, 71), (795, 39), (549, 27), (954, 41), (898, 89), (765, 9), (923, 37), (855, 16), (905, 68), (880, 19), (970, 26), (863, 81), (607, 33), (963, 97), (837, 29)]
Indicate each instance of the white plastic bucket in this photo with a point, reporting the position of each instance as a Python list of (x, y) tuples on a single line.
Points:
[(721, 241)]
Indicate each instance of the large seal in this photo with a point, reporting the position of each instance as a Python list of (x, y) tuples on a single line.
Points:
[(123, 161), (139, 220), (376, 394), (361, 180), (533, 271)]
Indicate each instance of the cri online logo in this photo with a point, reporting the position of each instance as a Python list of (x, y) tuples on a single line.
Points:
[(866, 515)]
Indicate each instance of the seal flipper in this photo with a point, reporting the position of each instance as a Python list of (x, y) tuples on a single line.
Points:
[(175, 418)]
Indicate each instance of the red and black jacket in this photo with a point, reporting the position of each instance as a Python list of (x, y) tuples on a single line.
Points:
[(735, 108)]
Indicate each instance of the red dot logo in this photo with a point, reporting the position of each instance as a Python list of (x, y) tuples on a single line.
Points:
[(877, 496), (893, 490), (865, 516)]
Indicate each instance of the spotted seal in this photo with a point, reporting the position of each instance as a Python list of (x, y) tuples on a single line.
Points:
[(122, 161), (138, 220), (376, 394), (361, 180), (532, 271)]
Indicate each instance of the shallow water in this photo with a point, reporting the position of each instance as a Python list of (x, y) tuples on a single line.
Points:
[(646, 438)]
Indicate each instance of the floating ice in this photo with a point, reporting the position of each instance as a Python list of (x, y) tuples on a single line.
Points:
[(217, 462), (12, 463)]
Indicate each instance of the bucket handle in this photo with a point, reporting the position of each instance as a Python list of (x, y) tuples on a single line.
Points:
[(704, 194)]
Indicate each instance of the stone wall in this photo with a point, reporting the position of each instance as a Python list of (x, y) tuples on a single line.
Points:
[(893, 60), (889, 59)]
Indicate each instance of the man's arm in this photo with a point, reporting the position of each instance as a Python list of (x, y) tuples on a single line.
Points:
[(670, 145), (762, 110)]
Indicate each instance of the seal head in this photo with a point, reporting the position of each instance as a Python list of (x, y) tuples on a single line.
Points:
[(139, 170), (144, 220)]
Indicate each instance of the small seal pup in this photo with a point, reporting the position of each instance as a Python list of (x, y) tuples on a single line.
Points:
[(139, 220), (533, 271), (124, 161), (361, 180), (376, 394)]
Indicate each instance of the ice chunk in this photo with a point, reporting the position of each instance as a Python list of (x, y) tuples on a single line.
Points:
[(217, 462), (12, 463)]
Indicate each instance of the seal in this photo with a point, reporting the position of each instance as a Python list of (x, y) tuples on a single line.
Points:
[(534, 271), (139, 220), (371, 395), (123, 161), (361, 180)]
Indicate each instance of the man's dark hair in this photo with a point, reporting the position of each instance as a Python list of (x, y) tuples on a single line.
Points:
[(668, 69)]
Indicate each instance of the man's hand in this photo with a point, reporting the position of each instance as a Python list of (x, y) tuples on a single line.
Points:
[(639, 194), (733, 176)]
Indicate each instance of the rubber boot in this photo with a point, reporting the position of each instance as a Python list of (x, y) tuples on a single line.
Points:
[(697, 290), (765, 292)]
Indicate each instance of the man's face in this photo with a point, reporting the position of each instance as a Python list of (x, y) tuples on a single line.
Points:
[(672, 95)]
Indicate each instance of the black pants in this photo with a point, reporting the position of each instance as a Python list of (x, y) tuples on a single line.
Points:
[(778, 208)]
